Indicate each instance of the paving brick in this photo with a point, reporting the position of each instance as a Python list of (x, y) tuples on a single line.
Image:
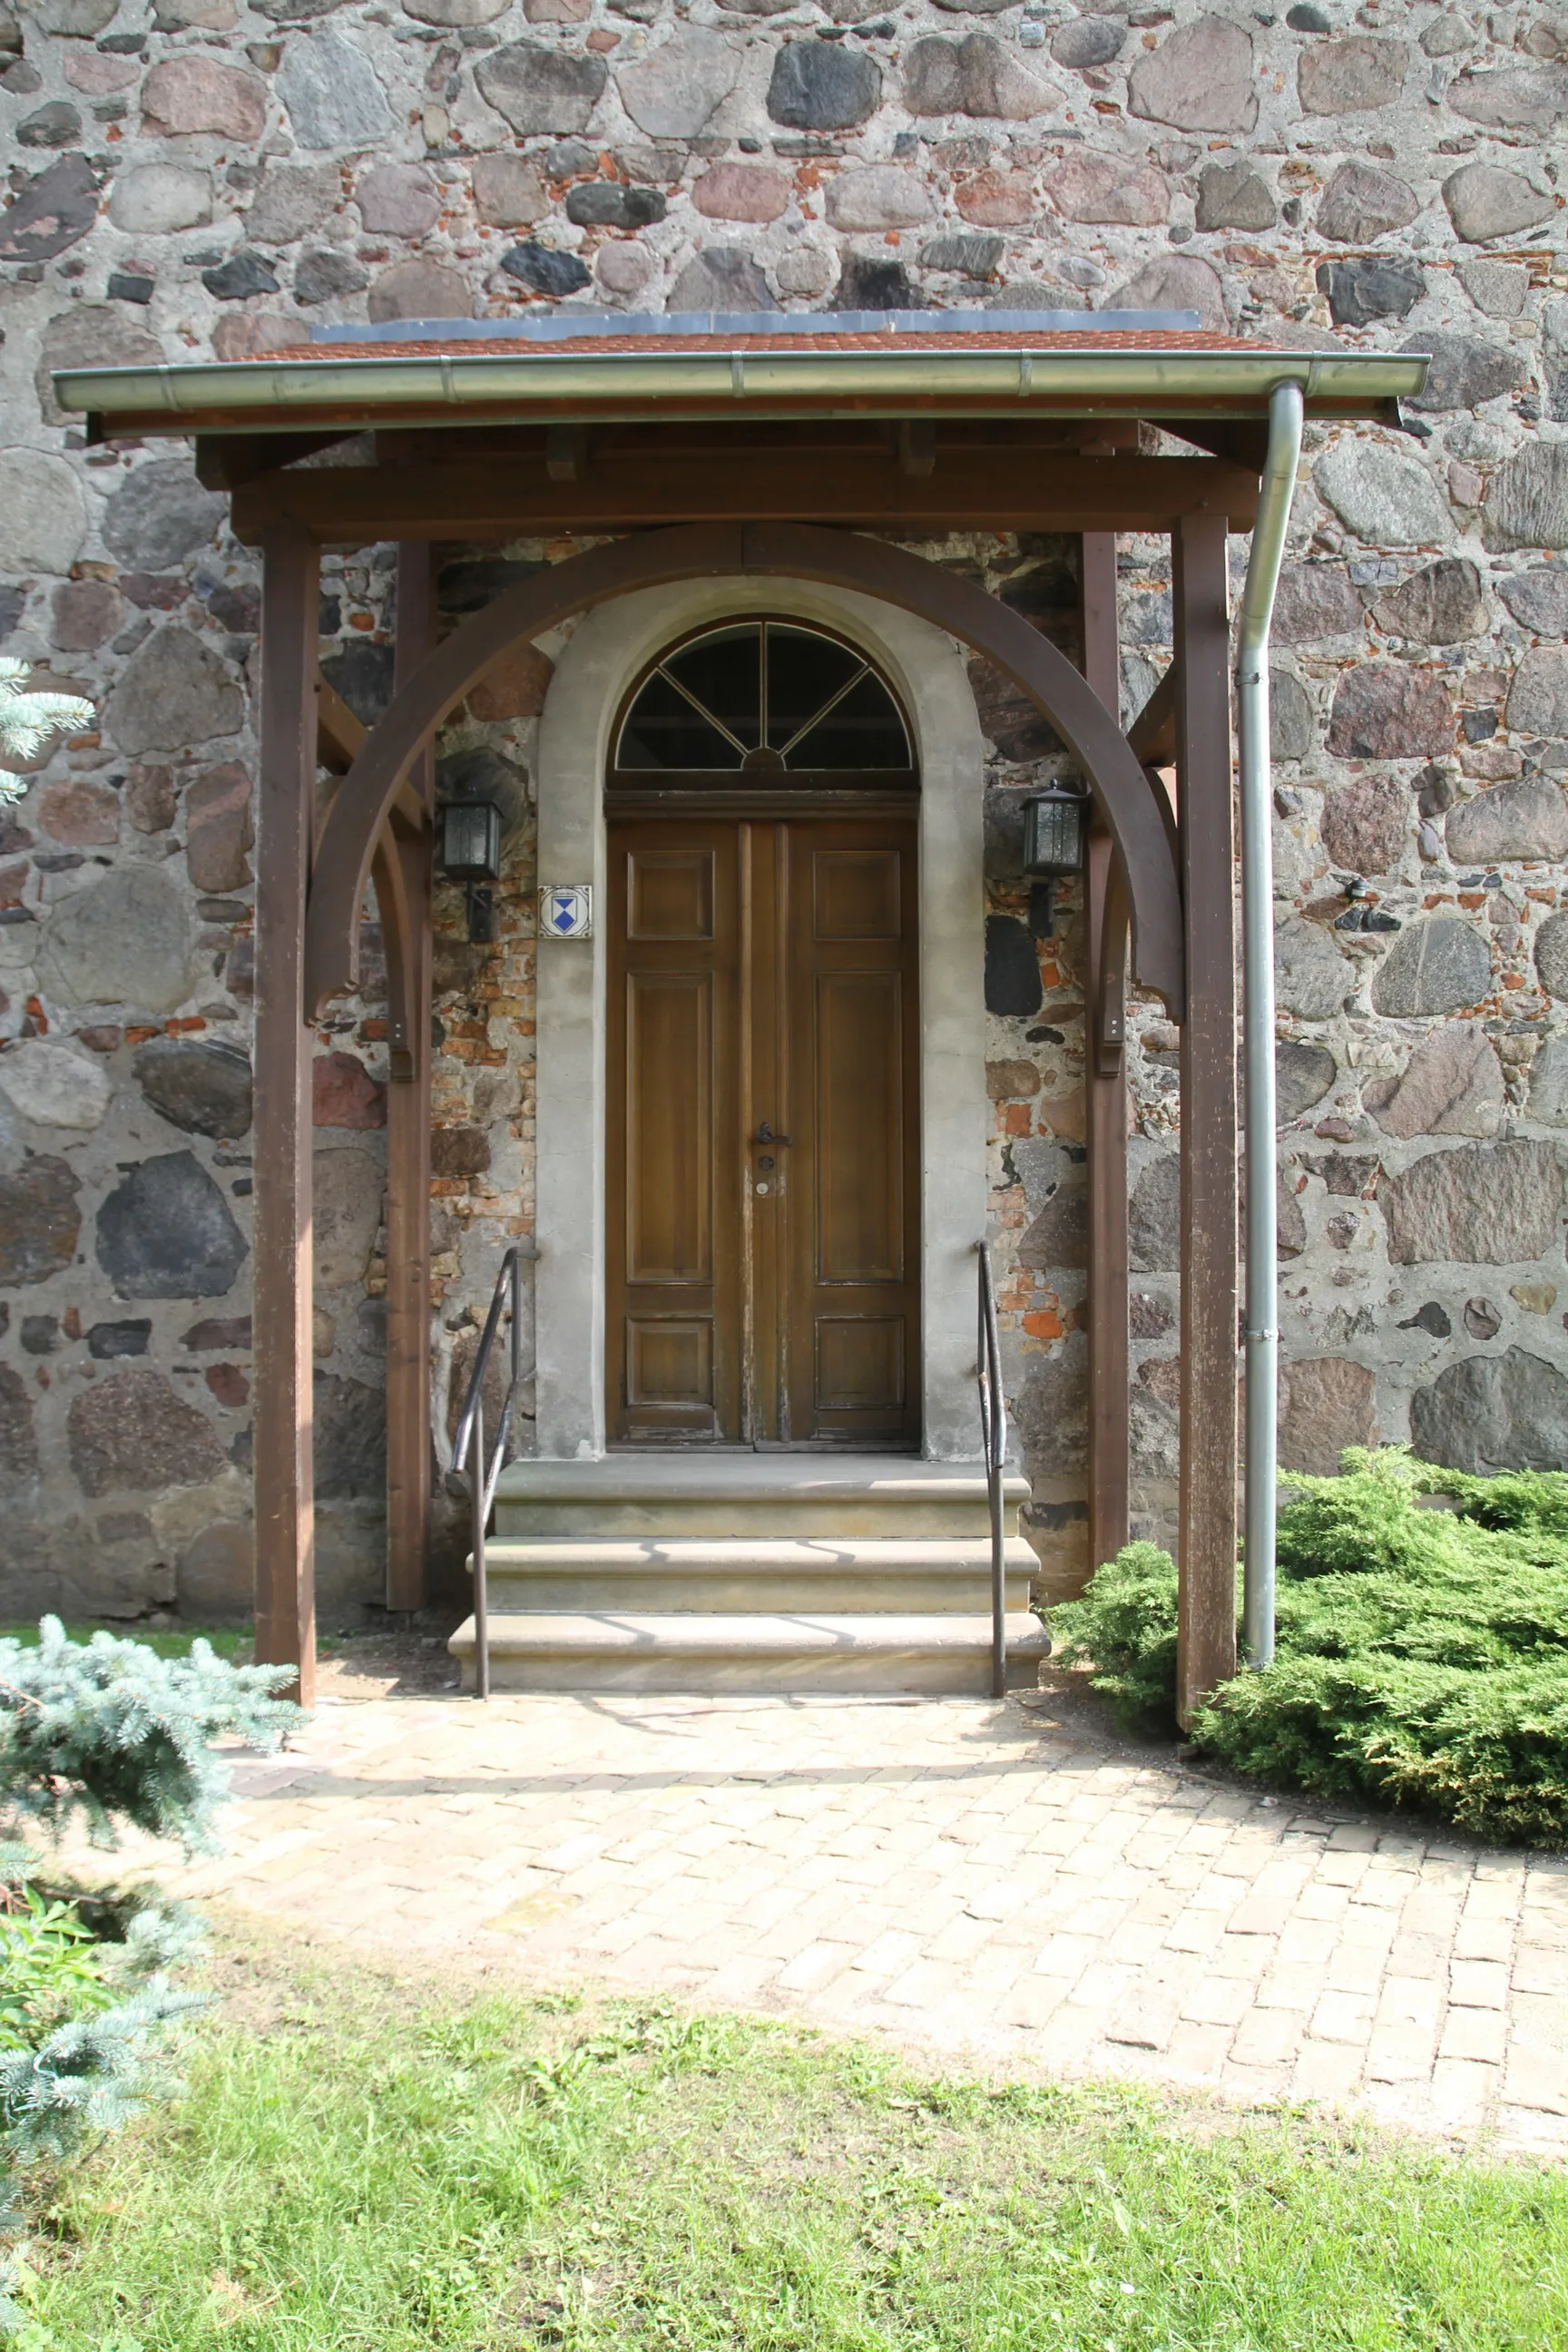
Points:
[(1294, 1986), (1197, 2053), (1353, 1969), (1266, 2037), (1400, 2053), (813, 1966), (1484, 1939), (1326, 2071), (1342, 2017), (1366, 1928), (1308, 1943), (1419, 1956), (1464, 2092), (1323, 1901), (1146, 2021), (1216, 2000), (1410, 2000), (1032, 2001), (922, 1986), (1531, 2132), (888, 1953), (1475, 2034), (1241, 1957), (1262, 1914), (1536, 1970), (1477, 1984)]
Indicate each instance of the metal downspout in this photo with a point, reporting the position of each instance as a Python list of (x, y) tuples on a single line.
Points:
[(1285, 417)]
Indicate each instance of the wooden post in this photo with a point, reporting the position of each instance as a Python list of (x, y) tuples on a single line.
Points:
[(1206, 1636), (405, 920), (281, 1267), (1106, 1084)]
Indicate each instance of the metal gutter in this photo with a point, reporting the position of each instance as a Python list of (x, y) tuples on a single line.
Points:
[(1261, 1218), (296, 395)]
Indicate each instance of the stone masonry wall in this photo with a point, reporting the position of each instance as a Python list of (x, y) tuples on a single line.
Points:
[(193, 176)]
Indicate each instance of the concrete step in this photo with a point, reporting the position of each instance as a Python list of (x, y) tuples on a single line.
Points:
[(694, 1492), (605, 1651), (714, 1576)]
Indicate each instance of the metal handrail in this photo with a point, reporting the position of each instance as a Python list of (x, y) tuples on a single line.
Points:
[(993, 1440), (480, 1485)]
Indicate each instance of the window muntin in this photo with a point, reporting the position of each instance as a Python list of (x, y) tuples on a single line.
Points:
[(759, 696)]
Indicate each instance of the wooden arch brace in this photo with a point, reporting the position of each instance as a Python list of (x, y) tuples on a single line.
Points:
[(1138, 816)]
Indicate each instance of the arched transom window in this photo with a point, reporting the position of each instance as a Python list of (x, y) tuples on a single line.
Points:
[(770, 701)]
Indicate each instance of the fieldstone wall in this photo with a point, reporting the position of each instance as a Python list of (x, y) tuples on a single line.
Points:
[(195, 176)]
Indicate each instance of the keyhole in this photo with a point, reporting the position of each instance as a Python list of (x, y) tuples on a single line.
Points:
[(767, 1160)]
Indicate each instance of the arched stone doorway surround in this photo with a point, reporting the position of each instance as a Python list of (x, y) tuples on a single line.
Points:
[(605, 652)]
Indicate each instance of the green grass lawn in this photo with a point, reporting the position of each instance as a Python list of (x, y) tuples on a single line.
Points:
[(357, 2170), (232, 1642), (235, 1643)]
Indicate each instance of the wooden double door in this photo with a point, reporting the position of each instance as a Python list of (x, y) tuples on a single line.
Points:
[(763, 1156)]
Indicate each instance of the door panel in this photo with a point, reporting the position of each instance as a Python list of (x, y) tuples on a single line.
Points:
[(669, 1361), (856, 894), (859, 1127), (673, 1241), (853, 1240), (670, 894), (764, 975), (860, 1363), (670, 1117)]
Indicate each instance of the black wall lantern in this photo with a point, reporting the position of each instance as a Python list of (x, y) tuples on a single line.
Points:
[(1056, 828), (470, 853)]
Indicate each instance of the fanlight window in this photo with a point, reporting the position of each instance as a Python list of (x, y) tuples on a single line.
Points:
[(763, 695)]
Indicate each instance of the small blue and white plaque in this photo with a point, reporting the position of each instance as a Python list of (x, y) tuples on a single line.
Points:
[(565, 910)]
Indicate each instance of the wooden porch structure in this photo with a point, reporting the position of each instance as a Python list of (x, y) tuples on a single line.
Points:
[(689, 476)]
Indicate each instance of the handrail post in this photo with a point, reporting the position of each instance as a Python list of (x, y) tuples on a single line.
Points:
[(468, 1444), (994, 1437), (998, 1589), (479, 1485)]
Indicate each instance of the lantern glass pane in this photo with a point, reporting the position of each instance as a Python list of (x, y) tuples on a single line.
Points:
[(470, 841), (1053, 835)]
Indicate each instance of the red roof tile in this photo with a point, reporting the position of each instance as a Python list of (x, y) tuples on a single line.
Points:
[(1140, 339)]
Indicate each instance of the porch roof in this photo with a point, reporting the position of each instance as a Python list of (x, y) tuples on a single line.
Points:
[(583, 366)]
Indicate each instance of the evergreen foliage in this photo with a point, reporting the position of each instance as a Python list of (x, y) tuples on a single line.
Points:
[(29, 717), (84, 2003), (1125, 1629), (106, 1728), (1422, 1652)]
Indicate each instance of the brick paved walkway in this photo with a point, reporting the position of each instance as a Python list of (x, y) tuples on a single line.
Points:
[(952, 1874)]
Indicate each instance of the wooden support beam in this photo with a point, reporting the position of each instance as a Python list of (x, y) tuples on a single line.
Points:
[(917, 446), (402, 886), (974, 488), (565, 452), (1239, 440), (1153, 733), (1206, 1610), (340, 738), (1109, 1466), (225, 460), (282, 1262), (339, 734)]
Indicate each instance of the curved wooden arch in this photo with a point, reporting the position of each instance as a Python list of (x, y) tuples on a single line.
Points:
[(1139, 817)]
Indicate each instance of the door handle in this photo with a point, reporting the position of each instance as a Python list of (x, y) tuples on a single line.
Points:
[(765, 1134)]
